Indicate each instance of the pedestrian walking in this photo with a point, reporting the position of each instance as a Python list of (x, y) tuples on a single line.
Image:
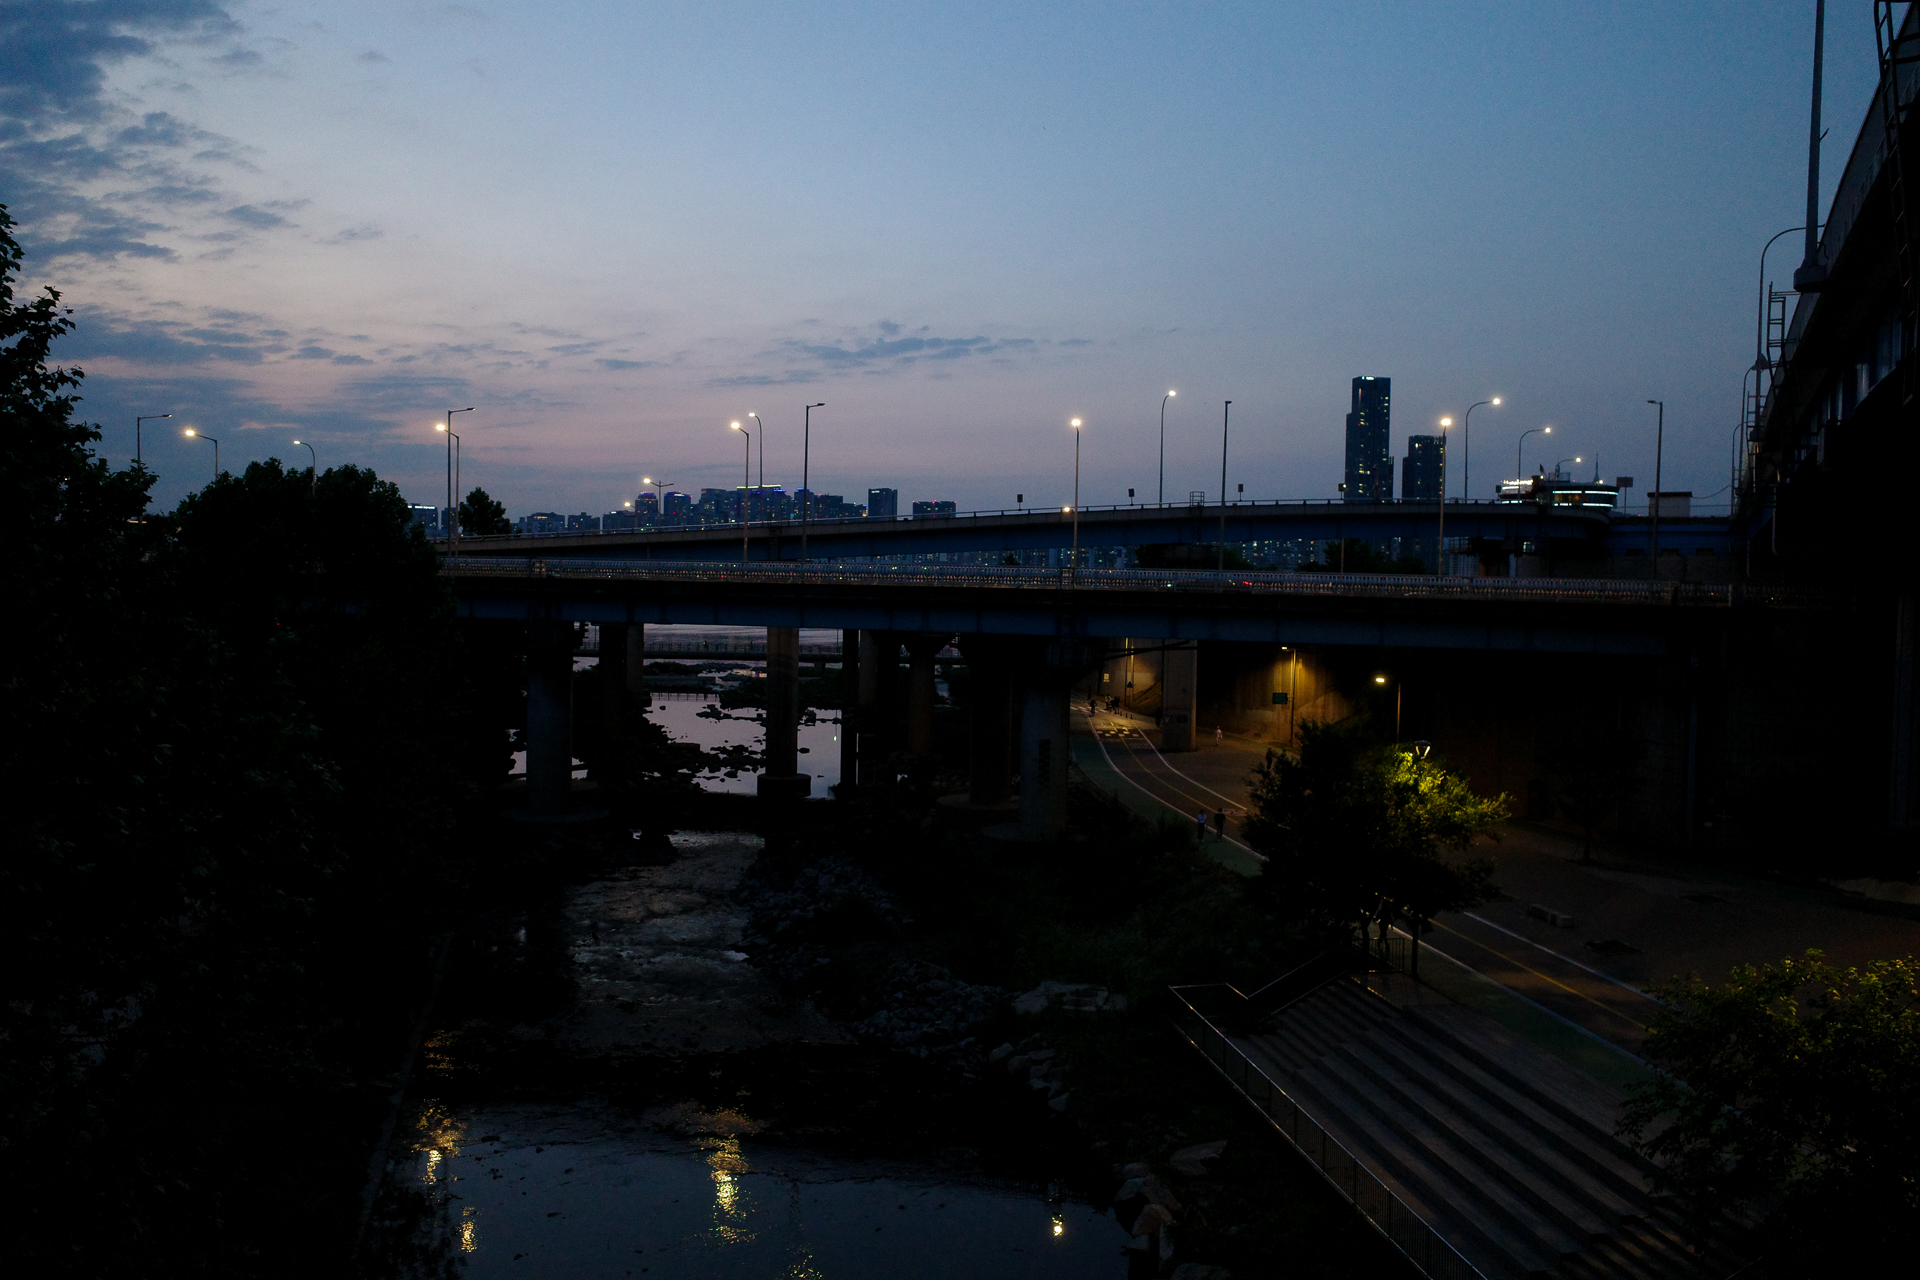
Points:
[(1220, 822), (1217, 734), (1200, 825)]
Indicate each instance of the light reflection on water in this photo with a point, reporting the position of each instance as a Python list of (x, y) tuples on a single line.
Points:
[(679, 714), (607, 1205)]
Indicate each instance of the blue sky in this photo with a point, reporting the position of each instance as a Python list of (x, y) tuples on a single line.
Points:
[(615, 228)]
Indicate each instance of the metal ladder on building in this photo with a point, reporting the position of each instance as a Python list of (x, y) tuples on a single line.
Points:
[(1896, 51)]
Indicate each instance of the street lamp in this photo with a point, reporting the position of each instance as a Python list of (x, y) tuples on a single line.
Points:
[(659, 498), (1564, 461), (313, 471), (146, 417), (1421, 748), (1659, 442), (1440, 547), (1163, 445), (1075, 561), (1225, 409), (1466, 449), (1517, 464), (746, 478), (453, 478), (806, 450), (216, 450), (763, 460)]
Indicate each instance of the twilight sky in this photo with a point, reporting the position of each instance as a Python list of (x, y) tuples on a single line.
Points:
[(614, 228)]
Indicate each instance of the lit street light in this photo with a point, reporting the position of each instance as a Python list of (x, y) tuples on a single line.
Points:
[(1440, 547), (145, 417), (453, 482), (1466, 451), (1225, 409), (763, 464), (1517, 464), (806, 485), (659, 498), (1075, 562), (191, 433), (1163, 445), (1564, 461), (313, 470), (746, 478)]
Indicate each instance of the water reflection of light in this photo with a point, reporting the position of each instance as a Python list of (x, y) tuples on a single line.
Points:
[(1059, 1225), (467, 1242), (433, 1164), (730, 1210)]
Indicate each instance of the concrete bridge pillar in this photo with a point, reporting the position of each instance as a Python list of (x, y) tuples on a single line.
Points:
[(636, 662), (1179, 681), (1044, 756), (921, 693), (849, 711), (781, 777), (550, 648), (989, 744), (879, 673), (613, 680)]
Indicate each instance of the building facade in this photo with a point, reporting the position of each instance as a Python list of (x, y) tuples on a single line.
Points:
[(883, 504), (1370, 441), (1422, 471)]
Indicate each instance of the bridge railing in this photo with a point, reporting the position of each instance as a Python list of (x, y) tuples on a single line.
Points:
[(1378, 586), (1208, 510)]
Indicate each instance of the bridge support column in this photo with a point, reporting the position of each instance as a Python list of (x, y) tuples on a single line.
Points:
[(781, 778), (849, 712), (549, 715), (921, 693), (989, 753), (879, 662), (1044, 756), (637, 662), (613, 681), (1179, 679)]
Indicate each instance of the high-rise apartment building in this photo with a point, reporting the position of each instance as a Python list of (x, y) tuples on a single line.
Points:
[(1370, 442), (883, 504), (933, 508), (1420, 475)]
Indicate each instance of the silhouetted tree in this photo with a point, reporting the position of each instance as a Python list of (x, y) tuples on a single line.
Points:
[(482, 517)]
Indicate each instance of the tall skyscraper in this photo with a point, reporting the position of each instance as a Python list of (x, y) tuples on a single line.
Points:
[(1370, 442), (883, 504), (1420, 477)]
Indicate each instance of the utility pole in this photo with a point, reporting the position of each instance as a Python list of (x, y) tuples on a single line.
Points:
[(1225, 409), (1811, 277), (1659, 443)]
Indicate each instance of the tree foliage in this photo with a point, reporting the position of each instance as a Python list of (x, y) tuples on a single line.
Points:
[(1791, 1090), (1356, 829), (226, 837), (484, 517)]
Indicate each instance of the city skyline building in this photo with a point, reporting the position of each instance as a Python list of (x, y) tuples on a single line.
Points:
[(883, 504), (1369, 472), (1422, 468)]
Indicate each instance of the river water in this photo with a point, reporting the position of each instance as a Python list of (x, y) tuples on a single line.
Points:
[(662, 1111)]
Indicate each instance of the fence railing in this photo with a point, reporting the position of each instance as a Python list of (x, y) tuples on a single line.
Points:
[(1406, 1230), (1383, 586)]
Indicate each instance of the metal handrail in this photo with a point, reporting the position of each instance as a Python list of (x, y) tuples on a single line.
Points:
[(1416, 1240), (1348, 585)]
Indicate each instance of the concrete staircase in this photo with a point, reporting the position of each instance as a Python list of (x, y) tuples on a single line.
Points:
[(1501, 1147)]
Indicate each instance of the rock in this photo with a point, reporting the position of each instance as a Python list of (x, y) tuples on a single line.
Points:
[(1018, 1065), (1192, 1161), (1082, 997), (1058, 1101), (1151, 1219), (1200, 1271), (1001, 1054), (1040, 1055), (1129, 1190), (1151, 1188), (1138, 1169)]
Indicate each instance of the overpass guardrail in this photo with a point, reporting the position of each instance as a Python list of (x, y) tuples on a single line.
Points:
[(1380, 586)]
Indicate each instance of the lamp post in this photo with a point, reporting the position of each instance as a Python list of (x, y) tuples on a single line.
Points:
[(659, 498), (763, 460), (1466, 452), (1163, 445), (1225, 409), (191, 433), (1440, 547), (1517, 464), (806, 485), (1075, 561), (746, 479), (453, 478), (1659, 444), (145, 417), (1564, 461), (313, 470)]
